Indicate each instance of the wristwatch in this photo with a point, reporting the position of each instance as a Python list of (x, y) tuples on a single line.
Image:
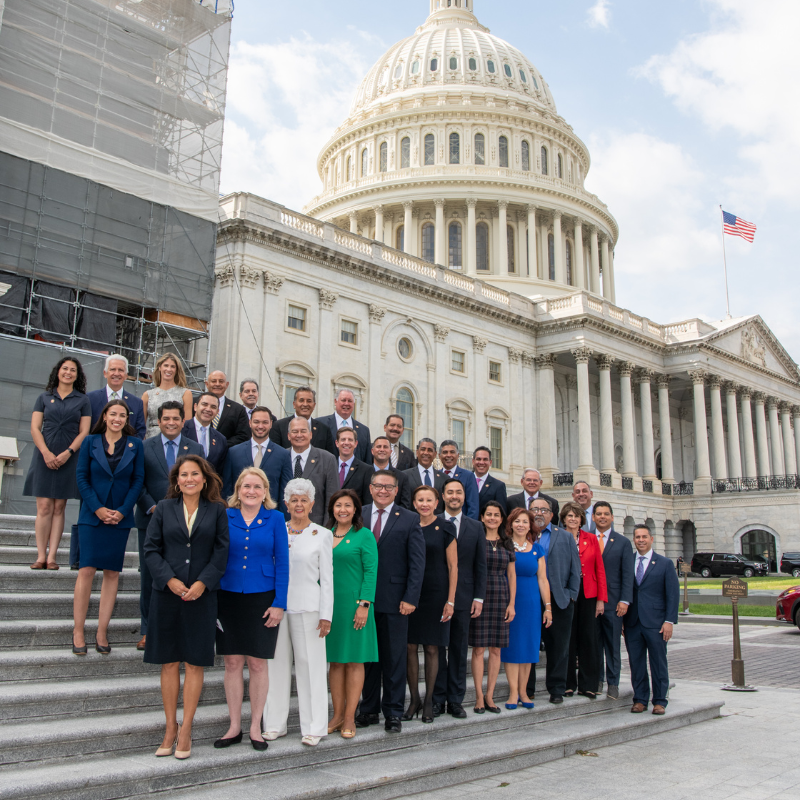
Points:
[(71, 451), (364, 603)]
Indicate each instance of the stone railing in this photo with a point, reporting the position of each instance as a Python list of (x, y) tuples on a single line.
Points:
[(605, 479), (647, 486), (459, 280), (405, 261), (302, 223), (498, 295), (627, 483), (682, 488), (562, 479), (352, 242), (760, 484)]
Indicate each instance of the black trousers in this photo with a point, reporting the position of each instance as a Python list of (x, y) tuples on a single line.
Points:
[(389, 672), (584, 649), (609, 628), (556, 646), (451, 681), (146, 589)]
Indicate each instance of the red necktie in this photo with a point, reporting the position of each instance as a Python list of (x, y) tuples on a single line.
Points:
[(378, 525)]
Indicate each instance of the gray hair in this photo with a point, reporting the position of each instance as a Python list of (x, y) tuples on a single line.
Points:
[(307, 421), (115, 357), (531, 469), (248, 380), (349, 391), (449, 443), (299, 487), (429, 441), (306, 389)]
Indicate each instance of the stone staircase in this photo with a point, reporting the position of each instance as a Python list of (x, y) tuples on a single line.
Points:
[(88, 727)]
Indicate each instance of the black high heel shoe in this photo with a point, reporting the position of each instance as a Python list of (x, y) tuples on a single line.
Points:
[(412, 711), (427, 713)]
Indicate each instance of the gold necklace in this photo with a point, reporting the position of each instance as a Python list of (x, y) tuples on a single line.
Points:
[(493, 543)]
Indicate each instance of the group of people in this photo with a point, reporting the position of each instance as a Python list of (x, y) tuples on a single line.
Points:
[(304, 541)]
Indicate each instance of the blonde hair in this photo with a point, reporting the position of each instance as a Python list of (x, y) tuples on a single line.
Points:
[(235, 502), (180, 375)]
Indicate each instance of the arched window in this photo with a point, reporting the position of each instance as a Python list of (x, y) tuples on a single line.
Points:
[(473, 64), (482, 246), (400, 239), (544, 160), (523, 76), (349, 168), (502, 147), (364, 162), (404, 406), (551, 256), (507, 70), (384, 156), (415, 68), (405, 153), (430, 150), (434, 64), (569, 262), (398, 73), (512, 262), (560, 162), (453, 62), (455, 148), (428, 242), (526, 156), (454, 245), (490, 66), (480, 148)]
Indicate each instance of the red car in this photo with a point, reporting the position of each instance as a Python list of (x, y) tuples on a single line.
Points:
[(787, 607)]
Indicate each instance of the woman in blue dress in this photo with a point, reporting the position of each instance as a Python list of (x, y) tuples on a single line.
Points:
[(533, 591)]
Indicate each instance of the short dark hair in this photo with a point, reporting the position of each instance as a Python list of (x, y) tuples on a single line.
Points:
[(260, 409), (585, 483), (385, 438), (358, 522), (171, 405), (575, 509), (452, 480), (482, 447), (429, 441), (603, 504), (383, 473), (306, 389), (346, 429), (395, 416), (248, 380), (205, 394), (449, 443), (642, 526)]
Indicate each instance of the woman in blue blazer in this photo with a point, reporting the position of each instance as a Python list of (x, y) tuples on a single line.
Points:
[(252, 599), (110, 477)]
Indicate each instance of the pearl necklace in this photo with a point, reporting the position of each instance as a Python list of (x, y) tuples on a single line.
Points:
[(521, 548)]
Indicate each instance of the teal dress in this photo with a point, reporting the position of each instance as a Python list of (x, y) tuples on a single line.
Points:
[(355, 574)]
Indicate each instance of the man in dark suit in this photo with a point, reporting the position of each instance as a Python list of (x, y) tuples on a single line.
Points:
[(564, 575), (448, 455), (116, 373), (489, 487), (649, 622), (401, 457), (424, 473), (231, 419), (248, 394), (451, 682), (381, 453), (531, 481), (353, 474), (199, 429), (304, 403), (618, 563), (160, 453), (314, 465), (270, 458), (583, 495), (401, 567), (345, 403)]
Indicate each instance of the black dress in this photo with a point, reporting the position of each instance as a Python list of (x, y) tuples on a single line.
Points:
[(490, 629), (61, 424), (424, 625)]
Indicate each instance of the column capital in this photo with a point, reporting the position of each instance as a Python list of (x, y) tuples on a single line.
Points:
[(645, 375), (731, 387), (746, 392), (546, 361), (353, 215), (529, 359), (532, 207), (582, 354), (625, 368), (604, 362), (502, 204), (760, 398), (663, 380), (772, 402), (376, 314), (415, 212), (785, 407), (327, 299), (714, 381), (557, 215), (471, 202), (479, 343), (441, 332), (248, 276), (439, 203), (272, 283), (698, 376), (522, 217), (408, 204), (515, 355), (796, 411)]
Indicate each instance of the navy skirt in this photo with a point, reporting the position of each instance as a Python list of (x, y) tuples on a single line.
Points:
[(103, 546)]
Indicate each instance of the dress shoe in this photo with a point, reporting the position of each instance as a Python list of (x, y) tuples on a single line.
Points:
[(104, 650), (393, 725), (476, 710), (222, 743), (659, 711), (182, 755), (257, 745), (526, 705), (638, 708), (613, 692), (590, 695), (168, 751), (80, 651), (365, 720), (412, 710), (438, 709), (348, 733), (555, 699), (141, 643), (271, 736), (39, 565), (52, 565), (337, 726), (492, 709), (311, 741), (511, 706), (455, 710)]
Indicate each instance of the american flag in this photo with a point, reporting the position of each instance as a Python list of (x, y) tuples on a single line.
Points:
[(736, 226)]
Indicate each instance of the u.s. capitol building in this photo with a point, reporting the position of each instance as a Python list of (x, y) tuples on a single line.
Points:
[(455, 270)]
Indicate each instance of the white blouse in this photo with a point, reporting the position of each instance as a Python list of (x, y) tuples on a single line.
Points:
[(311, 572)]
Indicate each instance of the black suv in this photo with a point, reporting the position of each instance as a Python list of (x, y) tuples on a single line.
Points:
[(713, 565), (790, 564)]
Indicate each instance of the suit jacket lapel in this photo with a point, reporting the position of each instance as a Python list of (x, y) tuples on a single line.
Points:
[(312, 462), (649, 568), (100, 453), (388, 525), (158, 446), (178, 506), (201, 512), (127, 455)]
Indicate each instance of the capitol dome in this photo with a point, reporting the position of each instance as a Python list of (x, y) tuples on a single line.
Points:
[(454, 152)]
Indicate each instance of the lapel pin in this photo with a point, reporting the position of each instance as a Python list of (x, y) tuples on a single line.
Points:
[(397, 514), (130, 444), (347, 541), (186, 447), (436, 528), (269, 449), (313, 533), (214, 442), (259, 522), (53, 400)]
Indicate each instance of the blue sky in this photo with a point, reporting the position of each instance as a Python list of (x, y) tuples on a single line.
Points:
[(684, 105)]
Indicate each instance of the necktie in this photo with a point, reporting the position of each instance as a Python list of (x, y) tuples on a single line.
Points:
[(345, 423), (427, 478), (205, 441), (114, 396), (215, 421), (378, 525), (480, 486), (530, 502), (342, 474), (170, 454), (602, 542), (259, 454), (298, 468), (640, 571), (393, 457), (454, 520), (449, 473)]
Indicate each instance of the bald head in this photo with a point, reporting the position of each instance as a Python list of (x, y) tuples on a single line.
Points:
[(217, 383)]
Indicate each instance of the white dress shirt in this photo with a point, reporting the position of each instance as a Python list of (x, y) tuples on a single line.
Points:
[(254, 445), (203, 436), (422, 472), (110, 391), (342, 421), (481, 481), (347, 464), (455, 519), (303, 457), (384, 518), (221, 405)]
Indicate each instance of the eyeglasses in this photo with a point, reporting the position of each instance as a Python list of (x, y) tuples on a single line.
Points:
[(384, 487)]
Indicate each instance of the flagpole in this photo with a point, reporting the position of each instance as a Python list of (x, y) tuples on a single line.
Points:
[(725, 262)]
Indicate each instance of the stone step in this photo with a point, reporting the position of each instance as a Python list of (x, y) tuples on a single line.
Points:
[(17, 522), (22, 537), (58, 605), (23, 580), (16, 634), (375, 764), (12, 555)]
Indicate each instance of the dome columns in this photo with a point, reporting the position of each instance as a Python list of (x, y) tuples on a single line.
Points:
[(502, 236), (471, 260), (558, 249), (533, 268), (577, 255), (440, 246), (379, 226)]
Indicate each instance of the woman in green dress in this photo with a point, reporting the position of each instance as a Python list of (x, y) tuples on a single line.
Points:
[(353, 640)]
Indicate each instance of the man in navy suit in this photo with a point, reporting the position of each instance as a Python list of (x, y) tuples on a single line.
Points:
[(270, 458), (649, 622), (451, 682), (448, 455), (401, 567), (381, 459), (489, 487), (160, 453), (345, 403), (353, 474), (200, 430), (618, 562), (425, 474)]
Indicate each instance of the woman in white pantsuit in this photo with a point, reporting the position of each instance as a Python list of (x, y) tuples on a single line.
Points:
[(306, 623)]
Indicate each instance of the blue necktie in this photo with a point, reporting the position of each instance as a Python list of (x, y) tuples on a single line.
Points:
[(428, 478), (170, 454), (640, 571)]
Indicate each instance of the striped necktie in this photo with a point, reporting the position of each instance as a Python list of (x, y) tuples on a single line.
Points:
[(393, 457), (215, 421)]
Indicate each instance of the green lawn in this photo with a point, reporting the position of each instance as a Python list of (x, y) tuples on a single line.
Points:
[(725, 611), (770, 582)]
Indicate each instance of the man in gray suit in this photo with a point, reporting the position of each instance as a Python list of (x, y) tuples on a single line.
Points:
[(160, 453), (564, 575), (313, 464)]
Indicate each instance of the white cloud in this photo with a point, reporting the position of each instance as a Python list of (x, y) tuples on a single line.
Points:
[(599, 15)]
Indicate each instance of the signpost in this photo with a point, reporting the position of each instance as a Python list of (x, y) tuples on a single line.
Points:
[(685, 570), (736, 588)]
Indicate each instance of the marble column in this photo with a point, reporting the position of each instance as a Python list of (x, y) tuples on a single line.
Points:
[(750, 468), (645, 377), (702, 461), (502, 234), (440, 333), (471, 260), (479, 372), (407, 209), (796, 419), (379, 232), (789, 455), (558, 249), (762, 444), (608, 291), (327, 300), (595, 262), (533, 265), (517, 454), (522, 244), (440, 236), (547, 416), (625, 368), (717, 429), (577, 255), (775, 437), (415, 243), (665, 424), (606, 415), (376, 315), (611, 274), (585, 460), (734, 448), (354, 222)]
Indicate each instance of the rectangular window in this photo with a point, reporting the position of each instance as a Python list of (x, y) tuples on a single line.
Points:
[(496, 445), (495, 373), (349, 332), (458, 433), (289, 398), (457, 362), (297, 318)]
